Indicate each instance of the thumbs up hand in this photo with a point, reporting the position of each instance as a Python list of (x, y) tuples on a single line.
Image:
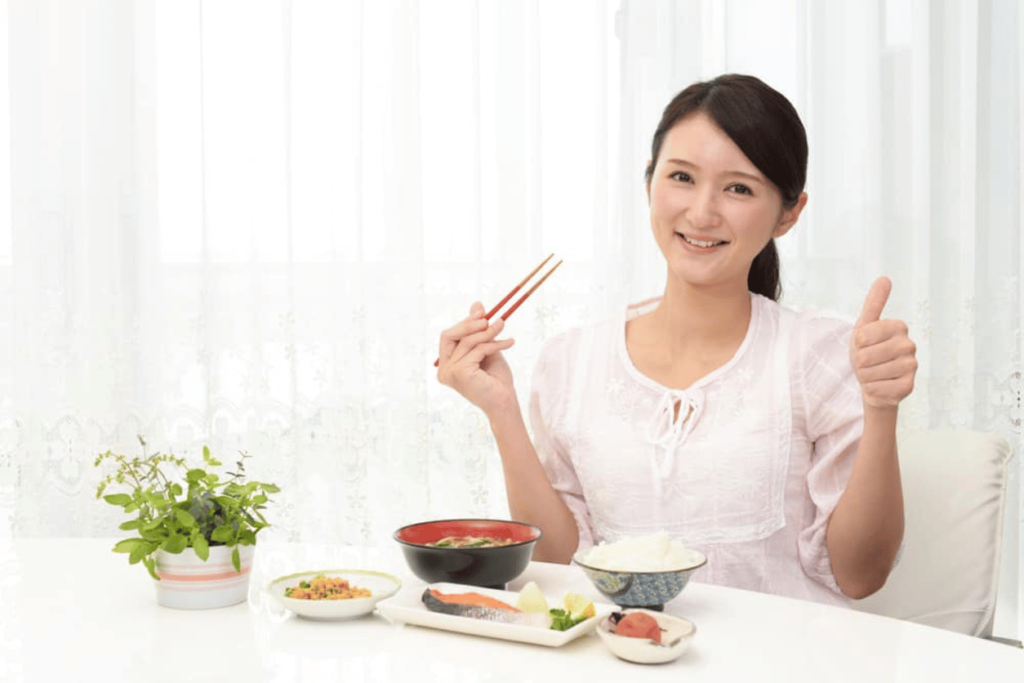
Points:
[(881, 352)]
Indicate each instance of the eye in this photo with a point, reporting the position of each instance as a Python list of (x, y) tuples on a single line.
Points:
[(740, 189), (681, 176)]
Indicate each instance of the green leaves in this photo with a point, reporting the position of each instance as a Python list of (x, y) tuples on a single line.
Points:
[(150, 567), (235, 491), (140, 551), (200, 545), (562, 620), (222, 534), (185, 519), (174, 544), (157, 501), (128, 545), (208, 459), (174, 507)]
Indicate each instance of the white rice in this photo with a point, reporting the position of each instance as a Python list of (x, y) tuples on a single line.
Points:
[(654, 553)]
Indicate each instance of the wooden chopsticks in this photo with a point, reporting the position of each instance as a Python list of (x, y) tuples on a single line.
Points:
[(524, 297)]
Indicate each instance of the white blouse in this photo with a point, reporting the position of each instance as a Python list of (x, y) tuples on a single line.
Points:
[(747, 471)]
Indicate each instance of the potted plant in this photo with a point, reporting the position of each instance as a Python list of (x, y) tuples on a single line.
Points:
[(196, 532)]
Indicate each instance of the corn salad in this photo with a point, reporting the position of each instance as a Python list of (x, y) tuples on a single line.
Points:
[(323, 588)]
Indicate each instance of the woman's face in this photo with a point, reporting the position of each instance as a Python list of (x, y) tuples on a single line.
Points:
[(712, 210)]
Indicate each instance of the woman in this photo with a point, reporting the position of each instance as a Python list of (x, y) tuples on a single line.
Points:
[(763, 437)]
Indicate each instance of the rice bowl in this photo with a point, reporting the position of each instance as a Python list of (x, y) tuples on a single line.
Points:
[(652, 553), (642, 571)]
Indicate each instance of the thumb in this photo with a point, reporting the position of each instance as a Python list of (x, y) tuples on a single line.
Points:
[(476, 309), (874, 302)]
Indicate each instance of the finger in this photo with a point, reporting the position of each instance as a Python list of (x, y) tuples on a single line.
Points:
[(878, 332), (464, 327), (893, 348), (893, 369), (887, 393), (875, 301), (460, 330), (883, 345), (469, 342), (481, 352), (474, 322)]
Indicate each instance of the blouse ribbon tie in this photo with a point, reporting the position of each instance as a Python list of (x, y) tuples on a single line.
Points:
[(668, 427)]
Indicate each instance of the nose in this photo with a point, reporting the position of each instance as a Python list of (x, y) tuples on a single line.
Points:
[(703, 210)]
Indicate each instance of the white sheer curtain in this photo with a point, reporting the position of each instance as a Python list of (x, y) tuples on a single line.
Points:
[(245, 223), (913, 112)]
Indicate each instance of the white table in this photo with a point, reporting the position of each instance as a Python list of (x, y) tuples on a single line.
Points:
[(70, 610)]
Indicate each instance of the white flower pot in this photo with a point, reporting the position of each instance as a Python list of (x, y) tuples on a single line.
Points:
[(186, 582)]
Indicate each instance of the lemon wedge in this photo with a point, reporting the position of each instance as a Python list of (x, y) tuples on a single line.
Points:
[(578, 606), (531, 599)]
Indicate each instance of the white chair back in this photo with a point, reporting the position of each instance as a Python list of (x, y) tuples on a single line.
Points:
[(954, 490)]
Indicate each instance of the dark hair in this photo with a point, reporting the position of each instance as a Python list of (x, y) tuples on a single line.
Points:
[(766, 127)]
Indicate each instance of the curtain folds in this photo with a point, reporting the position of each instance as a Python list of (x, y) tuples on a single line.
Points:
[(245, 224)]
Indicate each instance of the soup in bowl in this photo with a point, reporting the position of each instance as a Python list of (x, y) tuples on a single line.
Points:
[(477, 552)]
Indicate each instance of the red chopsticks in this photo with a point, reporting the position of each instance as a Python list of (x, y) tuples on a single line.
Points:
[(524, 297)]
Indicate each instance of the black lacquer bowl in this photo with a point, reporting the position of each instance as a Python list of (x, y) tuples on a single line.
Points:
[(489, 566)]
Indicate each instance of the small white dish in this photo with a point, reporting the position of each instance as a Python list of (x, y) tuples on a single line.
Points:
[(676, 635), (380, 585)]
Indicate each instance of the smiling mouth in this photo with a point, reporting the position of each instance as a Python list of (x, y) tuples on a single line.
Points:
[(706, 244)]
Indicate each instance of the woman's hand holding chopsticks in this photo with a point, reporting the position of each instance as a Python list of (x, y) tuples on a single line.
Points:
[(470, 361)]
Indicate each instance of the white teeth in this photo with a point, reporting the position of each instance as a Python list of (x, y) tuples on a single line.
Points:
[(699, 243)]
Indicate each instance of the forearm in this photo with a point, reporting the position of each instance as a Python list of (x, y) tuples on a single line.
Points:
[(531, 498), (866, 528)]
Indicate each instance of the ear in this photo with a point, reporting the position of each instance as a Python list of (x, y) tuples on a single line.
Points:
[(789, 217), (647, 183)]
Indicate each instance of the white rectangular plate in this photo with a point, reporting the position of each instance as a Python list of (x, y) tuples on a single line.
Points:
[(407, 607)]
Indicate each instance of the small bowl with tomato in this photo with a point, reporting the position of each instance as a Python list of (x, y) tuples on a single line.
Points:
[(645, 636)]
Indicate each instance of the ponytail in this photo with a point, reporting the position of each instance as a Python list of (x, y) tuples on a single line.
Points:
[(763, 277)]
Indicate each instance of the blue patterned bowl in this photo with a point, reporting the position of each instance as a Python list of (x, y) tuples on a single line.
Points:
[(647, 590)]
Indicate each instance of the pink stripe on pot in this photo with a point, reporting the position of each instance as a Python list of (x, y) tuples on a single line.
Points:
[(197, 567), (203, 587), (167, 576)]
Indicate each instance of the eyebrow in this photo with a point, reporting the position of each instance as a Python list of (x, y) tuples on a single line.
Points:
[(683, 162)]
